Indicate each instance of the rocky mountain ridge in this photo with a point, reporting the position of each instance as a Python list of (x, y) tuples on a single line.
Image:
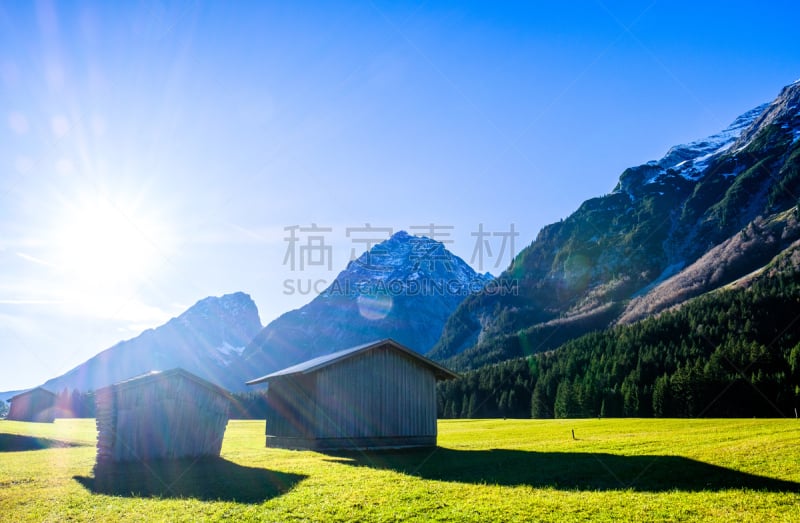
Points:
[(597, 266), (207, 339), (403, 288)]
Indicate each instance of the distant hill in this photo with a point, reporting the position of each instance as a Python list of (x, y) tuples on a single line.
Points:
[(206, 340)]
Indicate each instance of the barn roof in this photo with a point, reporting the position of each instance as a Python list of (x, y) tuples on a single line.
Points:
[(315, 364), (157, 375), (38, 390)]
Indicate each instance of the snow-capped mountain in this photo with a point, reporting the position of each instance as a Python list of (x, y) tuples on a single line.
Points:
[(408, 265), (207, 340), (403, 288), (692, 159), (706, 213)]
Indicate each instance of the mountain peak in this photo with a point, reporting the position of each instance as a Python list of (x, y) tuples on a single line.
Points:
[(237, 305), (679, 155), (404, 287), (206, 340), (690, 160), (401, 235), (233, 298), (405, 256), (783, 111)]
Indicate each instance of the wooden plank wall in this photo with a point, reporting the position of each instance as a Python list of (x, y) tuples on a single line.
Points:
[(36, 405), (161, 419), (106, 421), (379, 394), (292, 407)]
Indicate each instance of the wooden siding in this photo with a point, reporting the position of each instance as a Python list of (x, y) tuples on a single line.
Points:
[(36, 405), (378, 394), (160, 418), (291, 407), (381, 398)]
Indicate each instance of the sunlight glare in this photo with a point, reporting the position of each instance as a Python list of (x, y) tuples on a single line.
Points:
[(103, 244)]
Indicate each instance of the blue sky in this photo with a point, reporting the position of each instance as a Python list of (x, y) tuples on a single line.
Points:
[(153, 153)]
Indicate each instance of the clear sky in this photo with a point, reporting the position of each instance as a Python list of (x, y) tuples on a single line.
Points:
[(154, 153)]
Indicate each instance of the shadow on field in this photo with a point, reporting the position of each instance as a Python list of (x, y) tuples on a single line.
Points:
[(564, 470), (207, 479), (17, 443)]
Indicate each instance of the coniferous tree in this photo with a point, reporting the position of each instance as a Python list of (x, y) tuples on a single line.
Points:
[(661, 400), (465, 411), (472, 410)]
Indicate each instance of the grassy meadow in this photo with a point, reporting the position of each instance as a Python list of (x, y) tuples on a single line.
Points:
[(483, 470)]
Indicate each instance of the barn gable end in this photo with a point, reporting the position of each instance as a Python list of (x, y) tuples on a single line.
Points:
[(161, 415), (377, 395), (36, 405)]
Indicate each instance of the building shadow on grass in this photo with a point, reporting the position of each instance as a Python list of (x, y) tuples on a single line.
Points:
[(564, 470), (207, 479), (18, 443)]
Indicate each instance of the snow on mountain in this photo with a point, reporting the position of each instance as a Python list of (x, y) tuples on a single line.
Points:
[(404, 263), (690, 160), (226, 353), (403, 288)]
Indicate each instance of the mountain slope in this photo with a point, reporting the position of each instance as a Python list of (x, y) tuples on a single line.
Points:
[(733, 352), (205, 340), (579, 274), (403, 288), (746, 251)]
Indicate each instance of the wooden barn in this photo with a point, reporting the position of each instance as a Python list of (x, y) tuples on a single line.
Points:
[(160, 415), (33, 405), (378, 395)]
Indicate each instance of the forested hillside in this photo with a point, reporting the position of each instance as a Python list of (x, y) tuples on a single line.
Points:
[(734, 352)]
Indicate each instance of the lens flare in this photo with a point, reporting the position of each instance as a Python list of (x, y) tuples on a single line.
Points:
[(374, 307)]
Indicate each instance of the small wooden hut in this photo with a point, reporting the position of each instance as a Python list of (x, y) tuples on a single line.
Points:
[(378, 395), (160, 415), (33, 405)]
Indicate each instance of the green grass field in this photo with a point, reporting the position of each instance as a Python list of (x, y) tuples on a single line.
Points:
[(483, 470)]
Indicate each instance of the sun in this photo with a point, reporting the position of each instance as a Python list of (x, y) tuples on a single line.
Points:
[(105, 243)]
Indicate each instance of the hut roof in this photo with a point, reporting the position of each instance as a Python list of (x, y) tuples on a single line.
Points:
[(157, 375), (321, 362), (37, 390)]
